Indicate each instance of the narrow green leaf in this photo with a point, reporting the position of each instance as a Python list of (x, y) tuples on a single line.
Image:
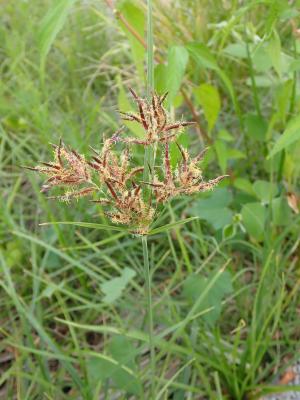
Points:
[(51, 24), (289, 136), (26, 313), (87, 225), (272, 389), (133, 334), (171, 226)]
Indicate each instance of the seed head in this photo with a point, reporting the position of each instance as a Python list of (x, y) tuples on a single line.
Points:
[(154, 120), (113, 177), (69, 169)]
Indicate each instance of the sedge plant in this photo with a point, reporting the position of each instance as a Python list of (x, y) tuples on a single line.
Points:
[(131, 195)]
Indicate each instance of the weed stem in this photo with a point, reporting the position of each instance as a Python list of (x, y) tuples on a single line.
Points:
[(149, 160), (150, 313)]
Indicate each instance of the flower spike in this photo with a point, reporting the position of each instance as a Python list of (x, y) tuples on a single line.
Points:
[(111, 175)]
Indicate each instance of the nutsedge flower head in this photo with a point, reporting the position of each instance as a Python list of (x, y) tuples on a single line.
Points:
[(113, 177), (154, 119)]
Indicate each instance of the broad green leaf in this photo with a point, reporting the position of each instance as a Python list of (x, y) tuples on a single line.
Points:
[(208, 97), (203, 57), (101, 367), (160, 78), (261, 59), (122, 350), (253, 216), (98, 370), (194, 285), (244, 185), (272, 165), (229, 231), (281, 212), (178, 101), (265, 190), (113, 288), (178, 58), (214, 209), (222, 154), (294, 66), (225, 135), (263, 81), (136, 18), (291, 161), (289, 136), (274, 50), (13, 253), (235, 153), (237, 50), (51, 24), (256, 127)]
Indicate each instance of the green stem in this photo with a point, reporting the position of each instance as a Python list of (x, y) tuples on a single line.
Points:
[(150, 313), (150, 151), (150, 52), (149, 161)]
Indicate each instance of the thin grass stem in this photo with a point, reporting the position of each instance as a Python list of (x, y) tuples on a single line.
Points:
[(149, 162), (150, 313)]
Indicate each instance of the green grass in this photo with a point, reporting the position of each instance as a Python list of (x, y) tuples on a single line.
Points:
[(225, 285)]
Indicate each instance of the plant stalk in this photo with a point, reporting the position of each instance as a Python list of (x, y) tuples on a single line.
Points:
[(150, 51), (149, 161), (150, 313), (150, 151)]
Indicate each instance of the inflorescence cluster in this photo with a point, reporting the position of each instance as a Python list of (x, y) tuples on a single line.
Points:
[(120, 185)]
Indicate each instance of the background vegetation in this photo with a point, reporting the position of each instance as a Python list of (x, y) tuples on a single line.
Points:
[(226, 286)]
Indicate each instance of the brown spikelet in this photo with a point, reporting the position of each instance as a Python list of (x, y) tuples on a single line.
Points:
[(69, 195), (154, 120)]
